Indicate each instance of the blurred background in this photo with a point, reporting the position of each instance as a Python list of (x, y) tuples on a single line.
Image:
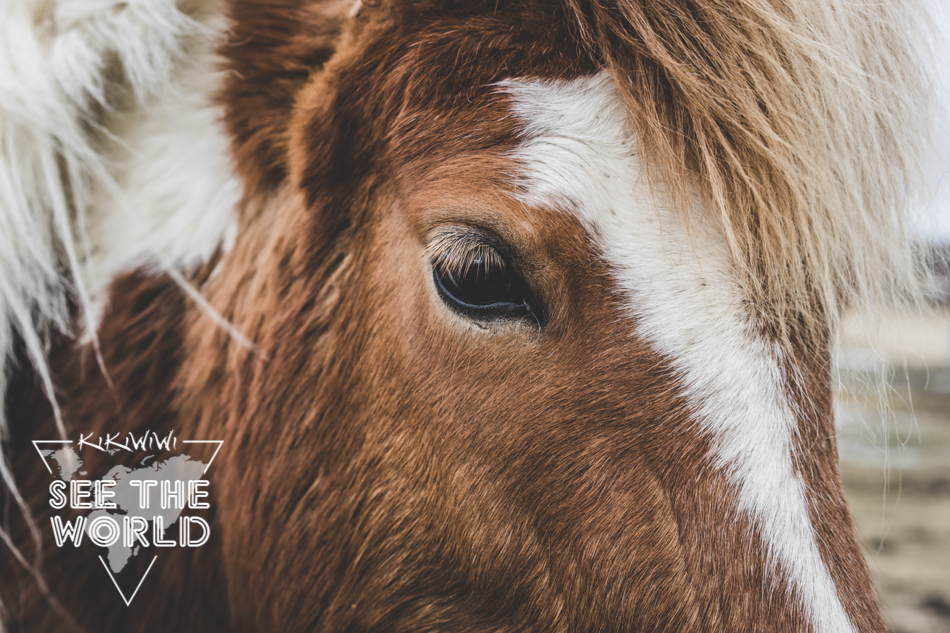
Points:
[(895, 458), (893, 416)]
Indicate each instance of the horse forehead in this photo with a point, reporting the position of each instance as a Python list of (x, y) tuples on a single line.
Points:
[(579, 155), (674, 267)]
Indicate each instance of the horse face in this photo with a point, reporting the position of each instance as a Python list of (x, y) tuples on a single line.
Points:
[(499, 380), (524, 323)]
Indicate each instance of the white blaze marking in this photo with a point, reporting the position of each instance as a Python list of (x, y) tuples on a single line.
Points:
[(580, 156)]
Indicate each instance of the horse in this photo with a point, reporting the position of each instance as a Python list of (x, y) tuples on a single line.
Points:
[(508, 316)]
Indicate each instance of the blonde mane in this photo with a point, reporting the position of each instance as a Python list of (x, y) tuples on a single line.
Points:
[(805, 125)]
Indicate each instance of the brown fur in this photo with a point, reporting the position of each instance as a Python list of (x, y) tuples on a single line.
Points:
[(808, 368), (389, 466), (142, 352)]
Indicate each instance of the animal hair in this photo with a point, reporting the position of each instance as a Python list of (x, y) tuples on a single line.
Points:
[(803, 124), (66, 68), (456, 251)]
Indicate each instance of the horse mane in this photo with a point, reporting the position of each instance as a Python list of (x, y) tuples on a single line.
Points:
[(804, 124), (65, 72)]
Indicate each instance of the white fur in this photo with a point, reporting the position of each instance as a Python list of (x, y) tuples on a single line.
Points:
[(682, 288), (175, 188), (111, 157)]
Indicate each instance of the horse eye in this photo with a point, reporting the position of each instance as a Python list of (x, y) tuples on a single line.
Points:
[(485, 287)]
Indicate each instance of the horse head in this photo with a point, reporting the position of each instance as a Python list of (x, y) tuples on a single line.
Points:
[(518, 315)]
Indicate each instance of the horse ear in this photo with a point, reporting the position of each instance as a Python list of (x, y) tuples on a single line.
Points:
[(271, 50)]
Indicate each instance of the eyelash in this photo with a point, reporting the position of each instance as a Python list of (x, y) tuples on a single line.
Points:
[(456, 256)]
